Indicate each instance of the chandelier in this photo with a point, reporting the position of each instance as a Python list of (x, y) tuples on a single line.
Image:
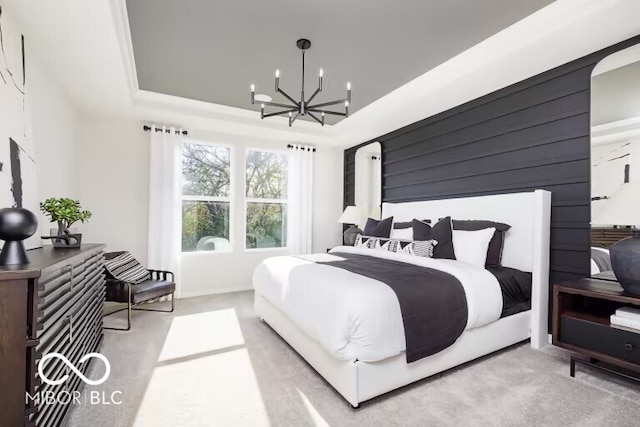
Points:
[(294, 108)]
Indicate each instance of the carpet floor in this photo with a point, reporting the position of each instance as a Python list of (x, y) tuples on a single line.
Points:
[(213, 363)]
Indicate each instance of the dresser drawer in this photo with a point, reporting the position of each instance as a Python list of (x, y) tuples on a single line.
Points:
[(600, 338)]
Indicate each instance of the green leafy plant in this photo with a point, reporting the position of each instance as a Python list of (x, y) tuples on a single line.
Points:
[(65, 212)]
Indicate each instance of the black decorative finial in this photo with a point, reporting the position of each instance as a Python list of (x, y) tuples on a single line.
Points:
[(16, 225)]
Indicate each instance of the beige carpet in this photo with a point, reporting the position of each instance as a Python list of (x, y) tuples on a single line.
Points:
[(212, 363)]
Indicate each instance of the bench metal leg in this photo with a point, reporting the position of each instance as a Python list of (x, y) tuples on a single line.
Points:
[(128, 308)]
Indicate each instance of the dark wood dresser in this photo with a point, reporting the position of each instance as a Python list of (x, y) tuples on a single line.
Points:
[(53, 304), (581, 323)]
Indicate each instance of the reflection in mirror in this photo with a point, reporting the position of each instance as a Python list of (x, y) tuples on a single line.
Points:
[(615, 169), (368, 181)]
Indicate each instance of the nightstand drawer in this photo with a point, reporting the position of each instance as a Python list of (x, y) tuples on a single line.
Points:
[(600, 338)]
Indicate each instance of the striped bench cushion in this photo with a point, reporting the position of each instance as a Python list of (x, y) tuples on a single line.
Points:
[(126, 268)]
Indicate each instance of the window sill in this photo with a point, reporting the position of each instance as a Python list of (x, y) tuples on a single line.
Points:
[(260, 250), (199, 253)]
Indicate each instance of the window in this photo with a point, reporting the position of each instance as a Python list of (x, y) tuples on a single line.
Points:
[(266, 199), (206, 182)]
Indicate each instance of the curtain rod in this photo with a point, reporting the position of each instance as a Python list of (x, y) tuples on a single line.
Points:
[(297, 147), (148, 128)]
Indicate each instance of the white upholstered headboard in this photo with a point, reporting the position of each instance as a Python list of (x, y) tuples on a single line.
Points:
[(526, 245)]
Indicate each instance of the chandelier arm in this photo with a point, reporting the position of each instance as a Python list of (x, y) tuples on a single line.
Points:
[(286, 95), (277, 104), (313, 96), (333, 113), (293, 119), (327, 104), (313, 116), (280, 113)]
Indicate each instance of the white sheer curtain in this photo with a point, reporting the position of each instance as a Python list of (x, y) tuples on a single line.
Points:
[(300, 199), (163, 241)]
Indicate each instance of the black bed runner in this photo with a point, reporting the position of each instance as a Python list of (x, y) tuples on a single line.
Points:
[(433, 303)]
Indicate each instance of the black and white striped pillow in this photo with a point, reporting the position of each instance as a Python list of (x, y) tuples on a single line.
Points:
[(126, 268), (423, 248)]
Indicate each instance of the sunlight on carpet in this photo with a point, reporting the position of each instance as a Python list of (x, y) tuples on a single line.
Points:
[(200, 333), (317, 419), (217, 390)]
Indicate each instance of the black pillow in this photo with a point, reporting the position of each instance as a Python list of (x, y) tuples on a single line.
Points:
[(402, 225), (375, 228), (494, 251), (408, 224), (441, 232)]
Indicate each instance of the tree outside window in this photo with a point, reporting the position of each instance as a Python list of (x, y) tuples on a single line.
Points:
[(206, 182), (266, 199)]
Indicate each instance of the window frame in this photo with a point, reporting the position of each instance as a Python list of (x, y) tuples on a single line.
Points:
[(247, 200), (226, 199)]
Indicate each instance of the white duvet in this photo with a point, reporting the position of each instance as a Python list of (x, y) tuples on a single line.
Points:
[(355, 317)]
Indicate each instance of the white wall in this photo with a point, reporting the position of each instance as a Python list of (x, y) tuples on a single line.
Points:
[(52, 123), (113, 173), (113, 183)]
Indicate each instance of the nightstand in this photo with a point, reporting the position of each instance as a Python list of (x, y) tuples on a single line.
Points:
[(581, 313)]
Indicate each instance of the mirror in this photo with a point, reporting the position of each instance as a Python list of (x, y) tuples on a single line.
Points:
[(615, 156), (368, 181)]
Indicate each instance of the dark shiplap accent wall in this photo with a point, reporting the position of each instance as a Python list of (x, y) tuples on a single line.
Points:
[(533, 134)]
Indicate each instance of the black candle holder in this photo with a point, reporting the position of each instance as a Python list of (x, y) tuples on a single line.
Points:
[(16, 225)]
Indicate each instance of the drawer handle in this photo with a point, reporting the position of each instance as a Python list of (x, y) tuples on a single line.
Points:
[(628, 347)]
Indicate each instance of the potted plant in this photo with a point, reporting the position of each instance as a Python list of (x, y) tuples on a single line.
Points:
[(65, 212)]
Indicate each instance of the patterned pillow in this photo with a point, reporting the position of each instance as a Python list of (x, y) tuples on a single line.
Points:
[(364, 241), (422, 248), (126, 268)]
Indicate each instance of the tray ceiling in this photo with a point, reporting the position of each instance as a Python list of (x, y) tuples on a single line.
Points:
[(212, 50)]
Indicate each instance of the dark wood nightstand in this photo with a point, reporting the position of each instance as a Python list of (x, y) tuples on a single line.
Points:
[(581, 313)]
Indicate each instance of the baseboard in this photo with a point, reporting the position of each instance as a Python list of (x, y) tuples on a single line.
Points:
[(204, 292)]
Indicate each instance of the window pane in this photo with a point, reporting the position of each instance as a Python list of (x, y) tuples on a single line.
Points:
[(205, 226), (266, 175), (205, 170), (266, 225)]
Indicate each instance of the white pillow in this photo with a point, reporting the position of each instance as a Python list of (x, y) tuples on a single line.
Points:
[(471, 246), (402, 233)]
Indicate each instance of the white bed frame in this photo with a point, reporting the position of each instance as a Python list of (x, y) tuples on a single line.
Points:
[(526, 248)]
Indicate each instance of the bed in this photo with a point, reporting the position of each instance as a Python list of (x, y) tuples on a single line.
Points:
[(600, 261), (349, 328)]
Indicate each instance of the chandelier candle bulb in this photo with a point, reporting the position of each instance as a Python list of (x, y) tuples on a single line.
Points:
[(262, 111), (349, 92), (253, 94)]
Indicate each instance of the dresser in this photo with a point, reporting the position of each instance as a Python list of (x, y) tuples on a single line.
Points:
[(51, 305), (581, 323)]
